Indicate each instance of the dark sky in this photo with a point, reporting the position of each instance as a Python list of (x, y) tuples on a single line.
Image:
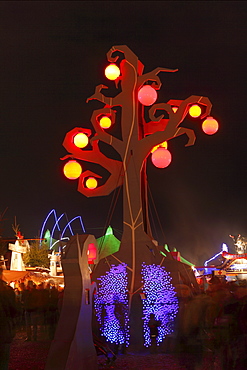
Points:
[(53, 55)]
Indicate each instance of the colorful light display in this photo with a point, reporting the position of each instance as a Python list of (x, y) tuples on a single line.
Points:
[(147, 95), (57, 226), (210, 126), (161, 300), (111, 305), (112, 72), (72, 170), (161, 157)]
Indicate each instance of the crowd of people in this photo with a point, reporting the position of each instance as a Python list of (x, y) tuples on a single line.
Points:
[(211, 325), (27, 307)]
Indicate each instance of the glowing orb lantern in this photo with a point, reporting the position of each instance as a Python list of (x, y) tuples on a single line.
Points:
[(105, 122), (210, 126), (147, 95), (72, 170), (112, 72), (195, 111), (80, 140), (161, 158), (91, 253), (91, 183)]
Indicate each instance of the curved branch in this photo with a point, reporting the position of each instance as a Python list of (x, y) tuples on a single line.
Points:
[(101, 134), (190, 133), (172, 129), (152, 76), (114, 180), (160, 106), (128, 54)]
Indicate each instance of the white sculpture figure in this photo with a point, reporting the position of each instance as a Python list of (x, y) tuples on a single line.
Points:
[(54, 258), (18, 249)]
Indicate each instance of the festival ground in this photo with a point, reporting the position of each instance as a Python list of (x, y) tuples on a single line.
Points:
[(31, 355)]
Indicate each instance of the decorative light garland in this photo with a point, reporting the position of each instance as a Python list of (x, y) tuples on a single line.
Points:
[(111, 305), (160, 300)]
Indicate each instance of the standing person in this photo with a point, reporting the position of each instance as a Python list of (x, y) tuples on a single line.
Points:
[(8, 312), (31, 305)]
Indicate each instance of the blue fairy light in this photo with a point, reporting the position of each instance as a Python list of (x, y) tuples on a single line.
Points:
[(160, 300), (111, 305)]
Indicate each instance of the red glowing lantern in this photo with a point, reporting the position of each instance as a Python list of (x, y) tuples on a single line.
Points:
[(91, 253), (112, 72), (72, 170), (161, 157), (210, 126), (105, 122), (147, 95), (91, 183)]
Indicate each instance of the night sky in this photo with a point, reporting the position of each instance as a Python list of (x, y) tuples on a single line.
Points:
[(53, 55)]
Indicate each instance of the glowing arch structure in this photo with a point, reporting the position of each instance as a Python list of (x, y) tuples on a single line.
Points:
[(56, 226)]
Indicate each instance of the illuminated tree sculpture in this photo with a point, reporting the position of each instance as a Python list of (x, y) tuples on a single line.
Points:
[(142, 133)]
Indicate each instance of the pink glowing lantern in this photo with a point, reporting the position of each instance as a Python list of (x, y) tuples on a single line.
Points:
[(147, 95), (72, 170), (91, 253), (161, 157), (210, 126)]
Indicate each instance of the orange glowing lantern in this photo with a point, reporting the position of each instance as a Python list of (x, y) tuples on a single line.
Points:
[(210, 126), (147, 95), (80, 140), (174, 109), (72, 170), (161, 157), (91, 183), (91, 253), (112, 72), (195, 111), (105, 122)]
